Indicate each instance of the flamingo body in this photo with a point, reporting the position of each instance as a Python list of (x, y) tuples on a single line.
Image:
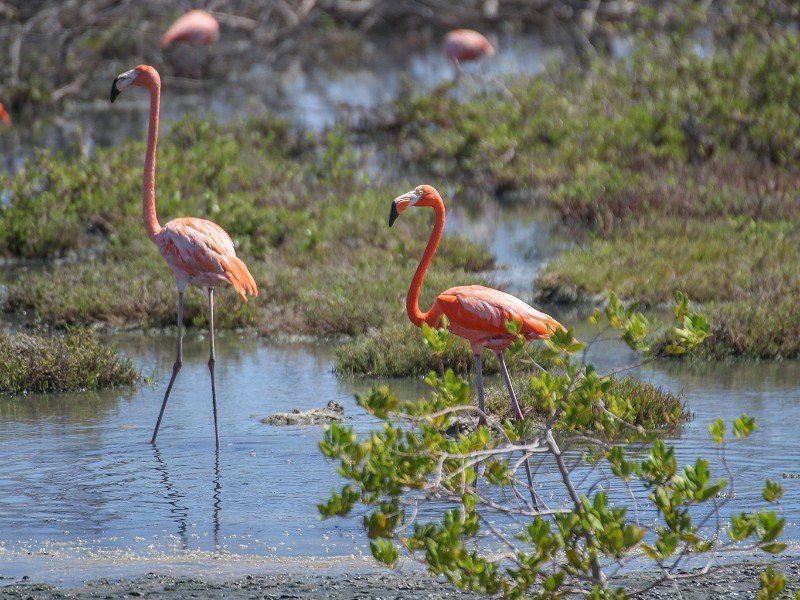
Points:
[(476, 313), (479, 314), (196, 27), (201, 253), (4, 116), (462, 45)]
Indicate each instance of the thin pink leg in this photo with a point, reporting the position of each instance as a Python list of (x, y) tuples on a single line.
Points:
[(175, 368), (479, 384), (212, 360), (519, 417)]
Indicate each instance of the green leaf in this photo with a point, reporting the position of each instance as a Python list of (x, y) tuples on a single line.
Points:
[(774, 547), (717, 431), (743, 426), (771, 584), (772, 492), (384, 552)]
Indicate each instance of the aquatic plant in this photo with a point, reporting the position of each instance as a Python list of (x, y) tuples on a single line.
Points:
[(437, 497), (72, 361)]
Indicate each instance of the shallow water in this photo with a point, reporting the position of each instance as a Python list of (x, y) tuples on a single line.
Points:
[(79, 477), (80, 485)]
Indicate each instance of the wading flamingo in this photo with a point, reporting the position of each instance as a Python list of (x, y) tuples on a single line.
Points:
[(196, 27), (463, 45), (4, 116), (199, 252), (476, 313)]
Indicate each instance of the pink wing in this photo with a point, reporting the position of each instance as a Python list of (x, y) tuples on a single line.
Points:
[(486, 310), (196, 27), (466, 44), (201, 253)]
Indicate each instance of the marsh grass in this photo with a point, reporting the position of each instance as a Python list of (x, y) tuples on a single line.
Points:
[(67, 362), (651, 407)]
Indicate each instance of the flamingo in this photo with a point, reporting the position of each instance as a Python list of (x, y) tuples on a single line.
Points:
[(462, 45), (476, 313), (199, 252), (196, 27), (4, 117)]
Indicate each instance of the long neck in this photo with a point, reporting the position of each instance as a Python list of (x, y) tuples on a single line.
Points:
[(412, 299), (149, 180)]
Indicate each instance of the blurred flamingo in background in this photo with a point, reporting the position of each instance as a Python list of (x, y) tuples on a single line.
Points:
[(199, 252), (463, 45), (476, 313), (196, 27), (4, 116)]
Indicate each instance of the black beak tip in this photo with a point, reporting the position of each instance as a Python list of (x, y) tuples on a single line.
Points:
[(393, 214), (114, 91)]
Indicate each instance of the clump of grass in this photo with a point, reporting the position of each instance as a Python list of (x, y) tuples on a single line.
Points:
[(399, 351), (742, 272), (652, 407), (72, 361)]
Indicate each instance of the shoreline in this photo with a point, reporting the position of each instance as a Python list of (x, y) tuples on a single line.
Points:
[(343, 577)]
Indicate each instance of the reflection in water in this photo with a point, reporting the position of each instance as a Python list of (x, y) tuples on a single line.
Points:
[(178, 510), (79, 408), (178, 501), (217, 500)]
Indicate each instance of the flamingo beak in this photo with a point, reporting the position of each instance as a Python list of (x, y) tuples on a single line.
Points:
[(393, 213), (401, 203), (122, 81)]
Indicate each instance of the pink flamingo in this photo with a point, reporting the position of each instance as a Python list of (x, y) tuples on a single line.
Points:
[(196, 27), (199, 252), (476, 313), (4, 116), (462, 45)]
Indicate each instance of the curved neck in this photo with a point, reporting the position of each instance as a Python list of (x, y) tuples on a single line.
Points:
[(412, 299), (149, 180)]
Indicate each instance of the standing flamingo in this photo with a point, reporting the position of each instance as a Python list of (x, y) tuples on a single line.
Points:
[(196, 27), (199, 252), (476, 313), (4, 116), (462, 45)]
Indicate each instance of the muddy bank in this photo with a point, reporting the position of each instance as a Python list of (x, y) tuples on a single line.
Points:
[(376, 585), (735, 580)]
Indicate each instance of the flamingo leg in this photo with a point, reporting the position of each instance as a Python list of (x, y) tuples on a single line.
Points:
[(519, 417), (479, 384), (175, 368), (514, 404), (212, 360)]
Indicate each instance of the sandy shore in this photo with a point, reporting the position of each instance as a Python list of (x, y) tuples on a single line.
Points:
[(735, 580)]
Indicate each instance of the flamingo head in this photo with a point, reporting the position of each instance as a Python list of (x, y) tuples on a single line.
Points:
[(422, 195), (141, 75)]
